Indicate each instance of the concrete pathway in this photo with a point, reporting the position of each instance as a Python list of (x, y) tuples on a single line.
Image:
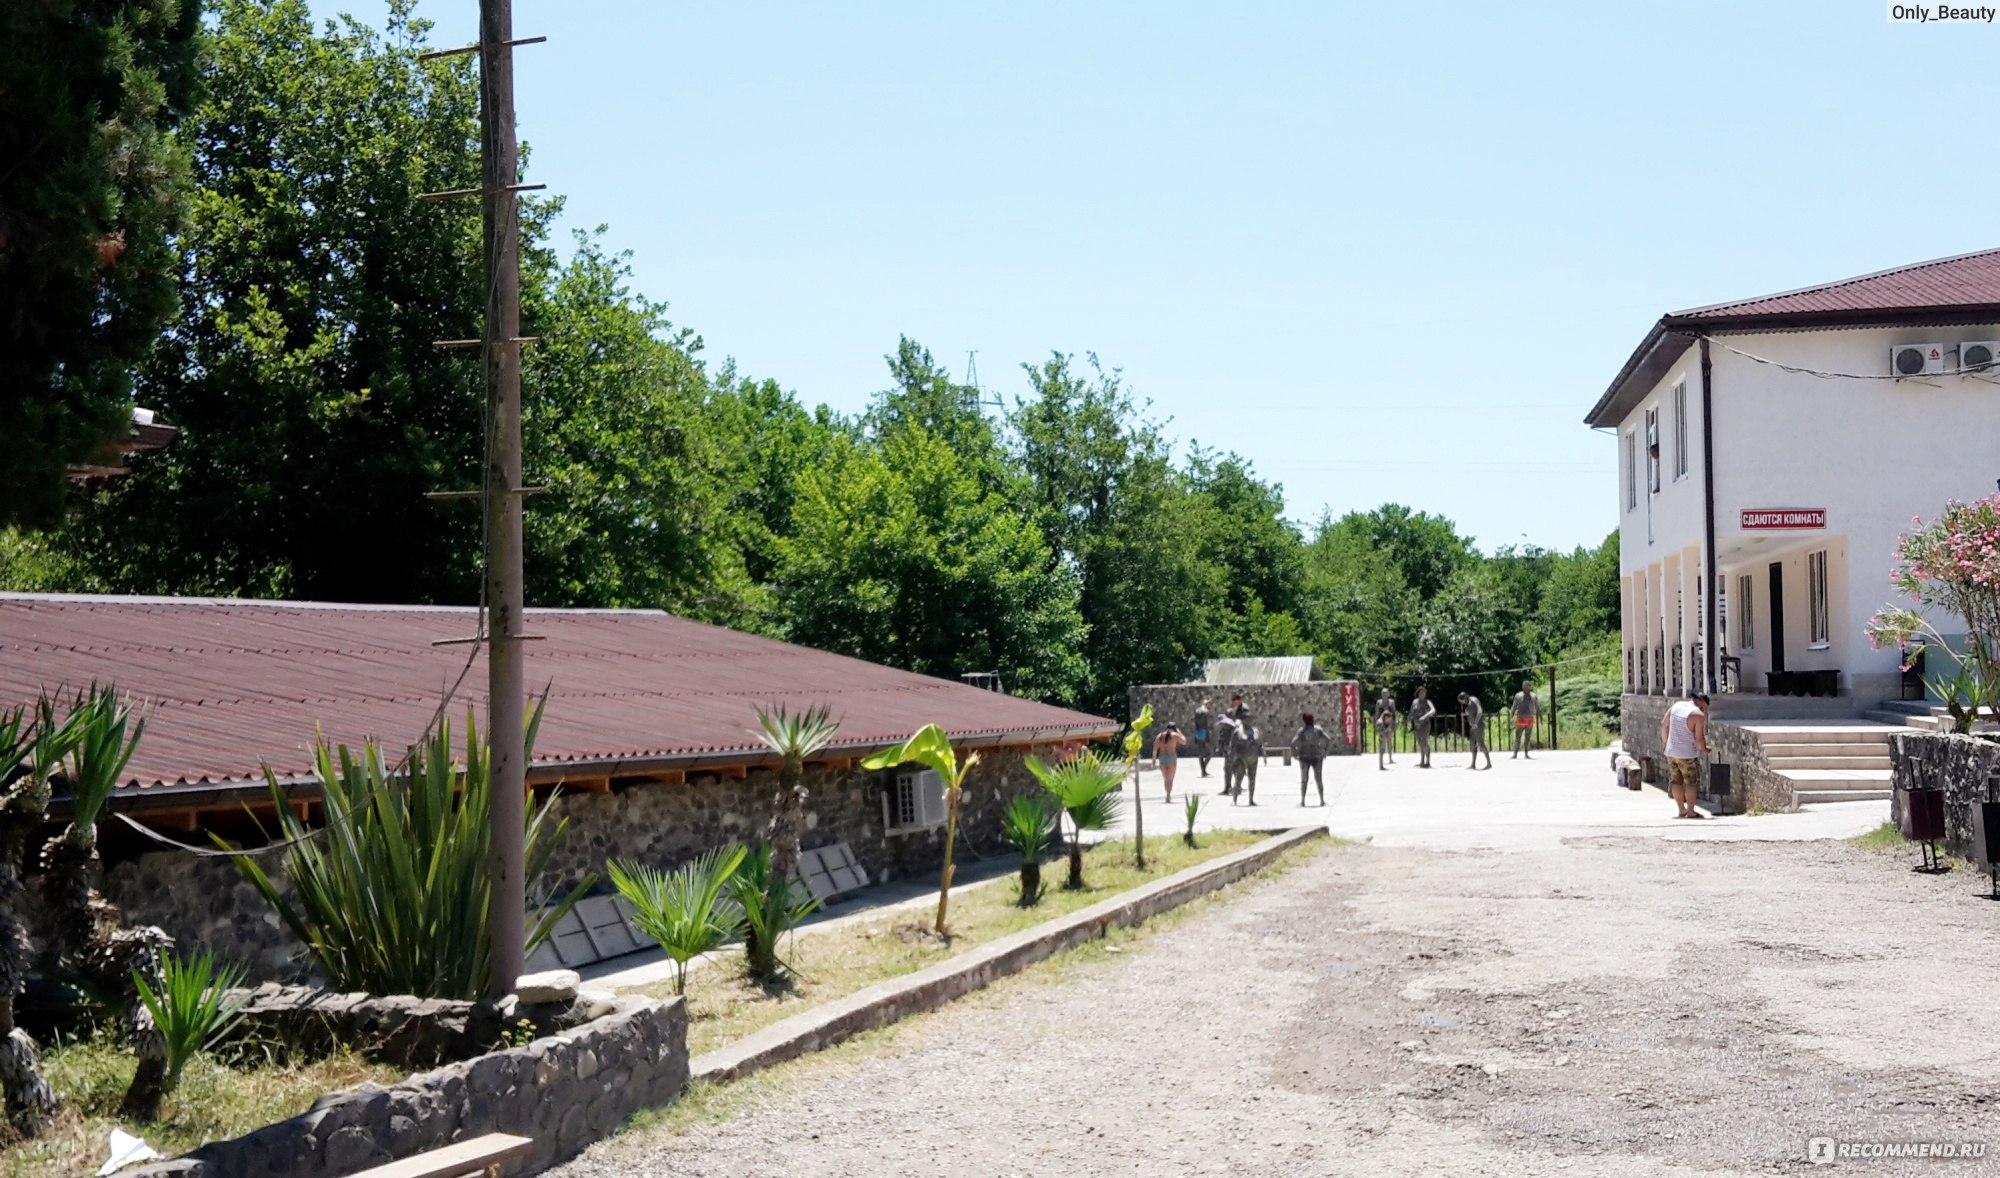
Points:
[(1540, 801)]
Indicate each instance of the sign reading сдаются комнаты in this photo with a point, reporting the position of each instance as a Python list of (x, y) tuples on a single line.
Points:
[(1772, 518)]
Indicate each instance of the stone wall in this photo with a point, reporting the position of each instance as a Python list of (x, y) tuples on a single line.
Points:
[(1752, 783), (1960, 765), (565, 1091), (1274, 707), (204, 901)]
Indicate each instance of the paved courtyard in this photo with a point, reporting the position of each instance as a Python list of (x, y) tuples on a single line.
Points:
[(1527, 972)]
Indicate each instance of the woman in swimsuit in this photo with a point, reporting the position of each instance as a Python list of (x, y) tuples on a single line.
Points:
[(1167, 753)]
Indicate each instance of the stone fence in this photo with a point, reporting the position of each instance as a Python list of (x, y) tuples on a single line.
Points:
[(1274, 708), (565, 1091), (1959, 765), (204, 901)]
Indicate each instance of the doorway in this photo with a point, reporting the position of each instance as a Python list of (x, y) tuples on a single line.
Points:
[(1776, 638)]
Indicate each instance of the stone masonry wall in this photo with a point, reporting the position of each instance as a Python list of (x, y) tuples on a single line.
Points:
[(565, 1091), (1960, 765), (1752, 783), (1274, 707), (204, 901)]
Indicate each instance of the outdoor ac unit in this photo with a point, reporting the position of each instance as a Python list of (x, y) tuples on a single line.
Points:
[(1916, 359), (1977, 355), (917, 801)]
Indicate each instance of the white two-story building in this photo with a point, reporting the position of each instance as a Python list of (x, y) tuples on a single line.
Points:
[(1771, 452)]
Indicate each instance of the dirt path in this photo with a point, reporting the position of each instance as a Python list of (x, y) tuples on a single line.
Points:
[(1600, 1007)]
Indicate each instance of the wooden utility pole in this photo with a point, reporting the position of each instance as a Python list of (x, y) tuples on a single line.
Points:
[(506, 725)]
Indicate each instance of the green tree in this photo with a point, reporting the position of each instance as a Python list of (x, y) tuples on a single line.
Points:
[(1580, 603), (91, 194), (1260, 550), (315, 412), (926, 396), (899, 555)]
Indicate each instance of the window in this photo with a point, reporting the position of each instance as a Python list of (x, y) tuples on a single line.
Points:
[(1681, 430), (1746, 620), (1653, 451), (1822, 625), (1631, 471)]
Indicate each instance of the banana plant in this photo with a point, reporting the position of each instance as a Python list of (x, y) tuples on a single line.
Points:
[(1135, 739), (931, 748)]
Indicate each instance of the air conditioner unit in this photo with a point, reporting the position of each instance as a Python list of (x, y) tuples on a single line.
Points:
[(915, 802), (1916, 359), (1978, 355)]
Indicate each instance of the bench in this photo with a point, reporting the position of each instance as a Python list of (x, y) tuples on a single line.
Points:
[(475, 1155)]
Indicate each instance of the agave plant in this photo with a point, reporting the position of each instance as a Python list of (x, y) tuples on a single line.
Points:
[(1191, 810), (392, 897), (192, 1007), (1085, 787), (795, 738), (1029, 828), (931, 748), (772, 906), (685, 909)]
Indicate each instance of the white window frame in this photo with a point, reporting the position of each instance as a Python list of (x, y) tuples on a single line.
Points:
[(1631, 470), (1818, 607), (913, 801), (1653, 450), (1680, 431), (1746, 617)]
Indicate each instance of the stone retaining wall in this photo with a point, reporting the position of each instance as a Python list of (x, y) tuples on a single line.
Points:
[(1960, 765), (203, 901), (402, 1031), (1753, 784), (1274, 708), (565, 1091)]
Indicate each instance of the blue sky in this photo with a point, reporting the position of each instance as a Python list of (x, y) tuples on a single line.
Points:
[(1384, 251)]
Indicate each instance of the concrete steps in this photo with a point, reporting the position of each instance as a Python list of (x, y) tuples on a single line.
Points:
[(1829, 762)]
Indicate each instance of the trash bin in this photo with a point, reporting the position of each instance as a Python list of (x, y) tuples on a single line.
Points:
[(1649, 772), (1718, 781)]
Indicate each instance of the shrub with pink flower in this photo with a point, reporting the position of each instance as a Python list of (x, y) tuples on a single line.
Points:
[(1951, 564)]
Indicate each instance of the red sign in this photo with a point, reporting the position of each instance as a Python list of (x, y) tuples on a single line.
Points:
[(1350, 714), (1777, 519)]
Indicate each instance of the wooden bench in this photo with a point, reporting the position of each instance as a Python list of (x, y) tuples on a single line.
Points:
[(475, 1155)]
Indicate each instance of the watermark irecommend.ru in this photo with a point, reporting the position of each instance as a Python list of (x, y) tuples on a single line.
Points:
[(1941, 14), (1826, 1150)]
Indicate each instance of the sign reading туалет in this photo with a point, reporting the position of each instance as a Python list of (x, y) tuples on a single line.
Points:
[(1770, 519)]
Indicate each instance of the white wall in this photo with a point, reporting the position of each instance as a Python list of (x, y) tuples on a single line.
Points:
[(1872, 453)]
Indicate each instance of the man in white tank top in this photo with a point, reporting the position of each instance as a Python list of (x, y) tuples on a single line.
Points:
[(1684, 732)]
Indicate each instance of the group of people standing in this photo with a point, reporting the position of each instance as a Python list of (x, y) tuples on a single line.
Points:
[(1234, 738), (1526, 710)]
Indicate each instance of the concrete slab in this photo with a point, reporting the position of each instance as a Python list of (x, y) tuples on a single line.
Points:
[(1543, 801)]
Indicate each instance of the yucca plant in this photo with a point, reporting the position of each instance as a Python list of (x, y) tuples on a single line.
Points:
[(1085, 786), (931, 748), (795, 738), (391, 897), (686, 910), (772, 906), (1191, 810), (192, 1008), (104, 731), (1029, 828), (31, 746)]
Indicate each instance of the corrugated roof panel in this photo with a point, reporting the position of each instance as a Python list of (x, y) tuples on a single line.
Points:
[(237, 684), (1963, 281)]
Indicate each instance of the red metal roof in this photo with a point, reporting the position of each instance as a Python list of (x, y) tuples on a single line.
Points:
[(233, 685), (1968, 280)]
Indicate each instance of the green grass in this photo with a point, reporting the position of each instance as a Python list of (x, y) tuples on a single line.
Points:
[(1883, 838), (724, 1005), (214, 1102)]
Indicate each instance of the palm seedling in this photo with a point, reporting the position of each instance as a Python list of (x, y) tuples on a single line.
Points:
[(686, 910), (931, 748), (1029, 828), (772, 906), (1085, 787), (192, 1007), (1191, 810), (795, 738)]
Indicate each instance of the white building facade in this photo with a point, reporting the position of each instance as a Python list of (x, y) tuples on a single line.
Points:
[(1771, 454)]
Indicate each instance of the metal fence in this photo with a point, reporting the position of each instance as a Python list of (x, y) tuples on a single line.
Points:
[(1448, 734)]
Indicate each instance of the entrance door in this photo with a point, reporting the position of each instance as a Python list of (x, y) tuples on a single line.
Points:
[(1775, 640)]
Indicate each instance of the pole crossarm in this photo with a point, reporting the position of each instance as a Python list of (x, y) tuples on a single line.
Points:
[(483, 493), (463, 50), (448, 345), (498, 190)]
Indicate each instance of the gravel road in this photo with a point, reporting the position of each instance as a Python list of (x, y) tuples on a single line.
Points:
[(1603, 1006)]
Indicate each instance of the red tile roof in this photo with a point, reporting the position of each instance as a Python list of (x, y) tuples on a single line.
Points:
[(1968, 280), (236, 684)]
